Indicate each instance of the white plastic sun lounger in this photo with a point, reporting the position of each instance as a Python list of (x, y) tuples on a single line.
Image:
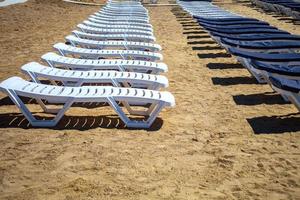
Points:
[(123, 19), (117, 10), (112, 14), (125, 37), (75, 78), (106, 26), (15, 87), (125, 7), (131, 17), (122, 14), (84, 53), (92, 19), (124, 3), (126, 45), (89, 29), (55, 60)]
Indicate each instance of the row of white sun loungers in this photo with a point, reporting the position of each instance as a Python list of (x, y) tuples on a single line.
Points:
[(270, 55), (115, 47)]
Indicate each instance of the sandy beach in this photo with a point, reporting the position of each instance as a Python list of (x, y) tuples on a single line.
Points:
[(227, 138)]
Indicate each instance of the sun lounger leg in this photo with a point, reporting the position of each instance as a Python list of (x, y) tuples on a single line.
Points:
[(295, 99), (33, 77), (49, 63), (32, 120), (61, 52), (140, 112), (153, 112), (119, 111)]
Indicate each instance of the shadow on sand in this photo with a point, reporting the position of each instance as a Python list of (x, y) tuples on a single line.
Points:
[(268, 98), (275, 124), (225, 66), (228, 81), (17, 120)]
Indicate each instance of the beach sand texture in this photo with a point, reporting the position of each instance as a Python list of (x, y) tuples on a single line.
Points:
[(227, 138)]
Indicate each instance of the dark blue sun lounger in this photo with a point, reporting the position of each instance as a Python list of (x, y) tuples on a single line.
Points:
[(246, 31), (288, 88), (225, 23), (239, 26), (259, 36), (286, 84), (228, 19), (270, 57), (281, 68), (262, 45)]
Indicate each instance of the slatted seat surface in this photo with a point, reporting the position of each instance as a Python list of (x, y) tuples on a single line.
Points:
[(157, 81), (90, 29), (65, 49), (119, 22), (107, 26), (85, 93), (113, 44), (126, 37), (104, 64)]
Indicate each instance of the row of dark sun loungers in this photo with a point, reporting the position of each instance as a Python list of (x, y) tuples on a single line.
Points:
[(282, 7), (271, 55)]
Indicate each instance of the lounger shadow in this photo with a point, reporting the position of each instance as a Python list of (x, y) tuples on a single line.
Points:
[(17, 120), (214, 55), (275, 124), (206, 48), (198, 36), (225, 66), (192, 28), (194, 32), (202, 42), (269, 98), (191, 25), (227, 81)]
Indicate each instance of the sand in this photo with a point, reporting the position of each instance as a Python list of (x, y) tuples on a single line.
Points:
[(227, 138)]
